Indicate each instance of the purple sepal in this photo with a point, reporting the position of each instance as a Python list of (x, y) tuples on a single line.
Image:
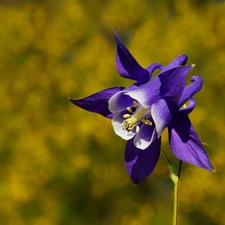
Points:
[(98, 102), (127, 65), (140, 163), (185, 143)]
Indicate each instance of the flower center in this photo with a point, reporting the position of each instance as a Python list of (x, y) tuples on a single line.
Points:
[(139, 115)]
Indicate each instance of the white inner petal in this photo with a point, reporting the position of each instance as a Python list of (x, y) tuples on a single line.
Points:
[(116, 122)]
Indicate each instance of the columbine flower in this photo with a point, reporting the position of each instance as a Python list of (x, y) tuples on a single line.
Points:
[(142, 111)]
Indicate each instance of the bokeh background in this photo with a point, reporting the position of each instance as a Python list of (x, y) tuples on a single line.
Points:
[(60, 165)]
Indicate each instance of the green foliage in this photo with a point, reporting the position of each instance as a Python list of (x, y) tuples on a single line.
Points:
[(62, 165)]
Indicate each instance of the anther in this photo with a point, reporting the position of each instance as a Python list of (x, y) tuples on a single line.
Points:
[(137, 129), (147, 122), (129, 110), (126, 125), (135, 104), (126, 116), (137, 114)]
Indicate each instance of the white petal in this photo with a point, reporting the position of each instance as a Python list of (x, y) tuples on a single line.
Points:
[(117, 126), (161, 115), (145, 136), (119, 102)]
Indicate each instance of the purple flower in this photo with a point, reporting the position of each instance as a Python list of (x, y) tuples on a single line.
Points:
[(142, 111)]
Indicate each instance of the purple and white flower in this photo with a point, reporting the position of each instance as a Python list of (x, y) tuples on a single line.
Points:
[(142, 111)]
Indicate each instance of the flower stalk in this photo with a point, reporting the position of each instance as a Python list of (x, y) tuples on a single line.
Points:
[(176, 180)]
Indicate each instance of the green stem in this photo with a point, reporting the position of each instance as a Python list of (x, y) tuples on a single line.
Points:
[(176, 180)]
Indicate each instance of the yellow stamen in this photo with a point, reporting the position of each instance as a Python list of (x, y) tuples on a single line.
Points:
[(138, 116), (129, 110), (126, 116), (147, 122), (135, 104), (137, 129)]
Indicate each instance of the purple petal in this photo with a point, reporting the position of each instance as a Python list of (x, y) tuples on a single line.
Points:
[(185, 143), (140, 163), (188, 109), (119, 102), (145, 136), (117, 126), (146, 94), (126, 64), (98, 102), (151, 68), (168, 84), (180, 60), (191, 89), (173, 83), (161, 115)]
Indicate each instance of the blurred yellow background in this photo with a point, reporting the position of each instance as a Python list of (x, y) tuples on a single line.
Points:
[(60, 165)]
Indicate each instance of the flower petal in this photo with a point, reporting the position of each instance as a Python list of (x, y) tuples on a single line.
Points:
[(161, 115), (98, 102), (185, 143), (178, 61), (117, 126), (139, 163), (173, 83), (191, 89), (126, 64), (189, 108), (120, 101), (146, 94), (168, 84), (145, 136)]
